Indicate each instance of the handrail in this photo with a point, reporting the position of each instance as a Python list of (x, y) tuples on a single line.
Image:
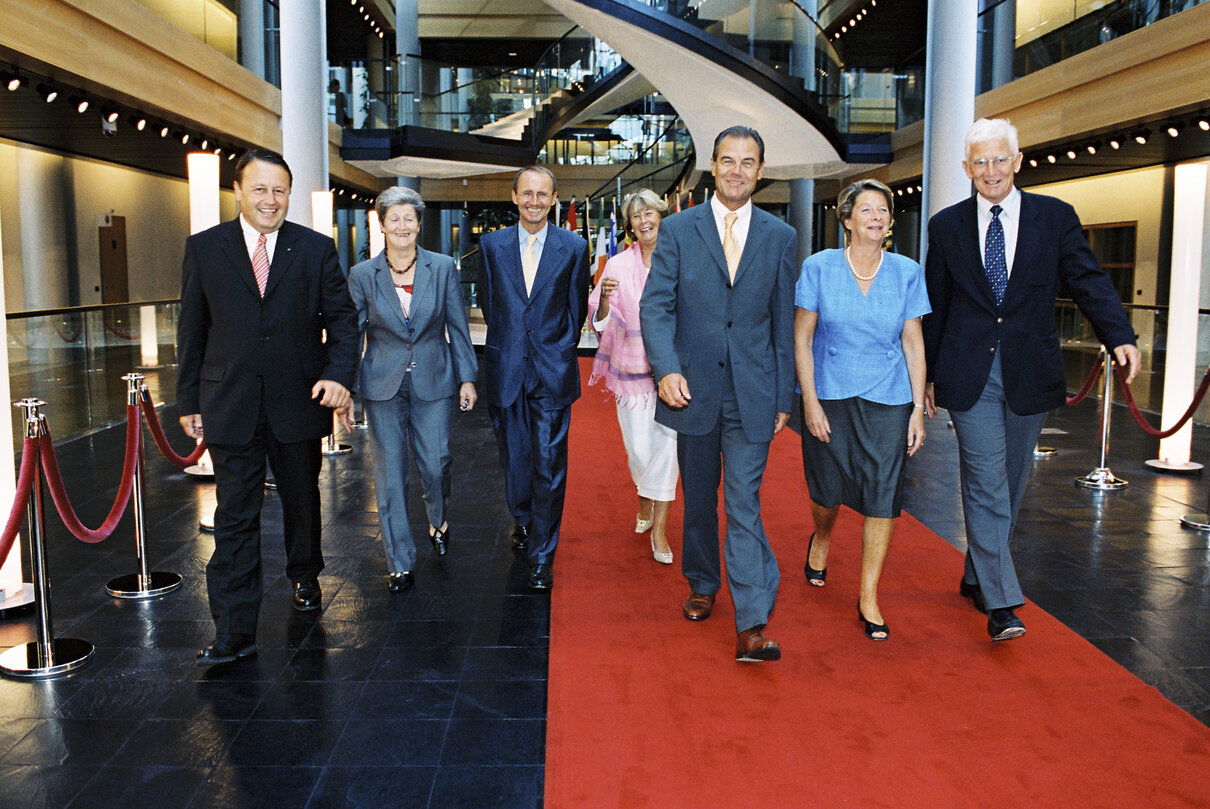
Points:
[(95, 307), (597, 193)]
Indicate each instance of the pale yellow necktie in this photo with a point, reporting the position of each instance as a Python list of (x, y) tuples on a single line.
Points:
[(731, 245), (529, 263)]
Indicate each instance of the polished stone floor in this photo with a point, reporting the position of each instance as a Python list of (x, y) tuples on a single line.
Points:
[(436, 697)]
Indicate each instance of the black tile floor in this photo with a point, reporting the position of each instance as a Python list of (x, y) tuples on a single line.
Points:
[(437, 697)]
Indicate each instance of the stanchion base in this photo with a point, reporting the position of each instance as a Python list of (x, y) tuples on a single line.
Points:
[(207, 523), (1197, 521), (1102, 479), (24, 662), (199, 471), (1186, 468), (1044, 452), (128, 586), (271, 485), (336, 449), (361, 425), (19, 603)]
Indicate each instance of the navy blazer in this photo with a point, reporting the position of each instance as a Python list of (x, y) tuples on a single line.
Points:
[(435, 340), (697, 323), (963, 331), (544, 326), (229, 338)]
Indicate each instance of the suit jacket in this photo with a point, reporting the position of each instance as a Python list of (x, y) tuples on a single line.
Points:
[(544, 326), (392, 342), (228, 337), (697, 323), (965, 326)]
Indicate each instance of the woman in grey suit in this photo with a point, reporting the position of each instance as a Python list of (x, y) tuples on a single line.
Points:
[(417, 359)]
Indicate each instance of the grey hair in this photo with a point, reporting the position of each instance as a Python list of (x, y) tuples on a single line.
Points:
[(848, 200), (638, 202), (986, 129), (398, 195)]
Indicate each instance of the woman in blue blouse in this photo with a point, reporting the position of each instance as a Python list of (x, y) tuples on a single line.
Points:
[(859, 353)]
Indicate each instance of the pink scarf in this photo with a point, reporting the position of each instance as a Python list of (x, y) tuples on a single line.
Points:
[(621, 359)]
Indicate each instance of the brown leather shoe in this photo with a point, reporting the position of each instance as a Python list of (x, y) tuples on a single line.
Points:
[(698, 606), (753, 646)]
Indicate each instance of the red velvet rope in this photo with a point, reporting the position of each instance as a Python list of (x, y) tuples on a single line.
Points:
[(161, 440), (54, 482), (25, 485), (1138, 416), (1088, 383)]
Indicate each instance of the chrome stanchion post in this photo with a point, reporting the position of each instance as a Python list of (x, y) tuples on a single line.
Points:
[(330, 447), (1102, 477), (142, 584), (46, 656)]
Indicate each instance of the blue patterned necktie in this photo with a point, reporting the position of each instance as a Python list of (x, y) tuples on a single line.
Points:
[(994, 263)]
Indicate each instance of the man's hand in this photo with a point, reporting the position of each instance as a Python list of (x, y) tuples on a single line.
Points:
[(345, 415), (930, 403), (779, 421), (192, 425), (674, 390), (332, 394), (1129, 356)]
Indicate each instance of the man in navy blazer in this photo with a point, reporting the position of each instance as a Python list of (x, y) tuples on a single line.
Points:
[(258, 377), (718, 323), (533, 291), (993, 270)]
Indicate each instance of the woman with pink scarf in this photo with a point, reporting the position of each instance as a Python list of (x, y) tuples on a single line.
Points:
[(621, 362)]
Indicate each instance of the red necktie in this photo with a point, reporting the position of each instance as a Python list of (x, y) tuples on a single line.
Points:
[(260, 264)]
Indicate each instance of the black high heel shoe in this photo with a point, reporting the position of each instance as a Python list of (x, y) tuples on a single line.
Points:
[(439, 539), (872, 629), (815, 578)]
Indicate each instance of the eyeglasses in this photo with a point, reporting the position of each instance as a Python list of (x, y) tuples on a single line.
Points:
[(999, 161)]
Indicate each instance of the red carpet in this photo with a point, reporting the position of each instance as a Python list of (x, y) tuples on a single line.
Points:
[(649, 710)]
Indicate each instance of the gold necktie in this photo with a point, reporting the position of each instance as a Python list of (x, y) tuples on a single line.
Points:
[(731, 245), (529, 263)]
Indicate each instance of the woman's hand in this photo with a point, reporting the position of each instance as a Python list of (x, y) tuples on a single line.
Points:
[(915, 433), (608, 287), (816, 420), (467, 397)]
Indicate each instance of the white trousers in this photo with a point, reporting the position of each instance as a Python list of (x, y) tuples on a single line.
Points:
[(650, 448)]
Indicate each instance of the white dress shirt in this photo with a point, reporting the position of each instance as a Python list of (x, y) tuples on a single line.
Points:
[(252, 236), (740, 229), (1010, 219)]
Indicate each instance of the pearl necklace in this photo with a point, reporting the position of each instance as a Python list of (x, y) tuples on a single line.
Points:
[(853, 269)]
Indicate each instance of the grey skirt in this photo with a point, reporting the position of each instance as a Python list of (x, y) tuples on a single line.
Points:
[(862, 466)]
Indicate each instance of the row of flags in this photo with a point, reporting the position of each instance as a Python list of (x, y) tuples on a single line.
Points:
[(606, 243)]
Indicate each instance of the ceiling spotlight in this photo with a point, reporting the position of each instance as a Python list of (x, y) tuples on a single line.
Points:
[(1174, 129), (48, 92), (205, 144), (920, 189), (380, 35), (1114, 143), (1071, 154), (844, 29), (218, 150), (138, 122), (852, 21), (184, 136), (230, 155), (1033, 162), (80, 103), (1141, 136), (1204, 124), (1092, 148), (11, 80), (165, 131), (109, 114), (1050, 158)]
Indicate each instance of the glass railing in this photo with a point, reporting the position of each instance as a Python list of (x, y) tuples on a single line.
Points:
[(643, 140), (215, 22), (1045, 32), (74, 359)]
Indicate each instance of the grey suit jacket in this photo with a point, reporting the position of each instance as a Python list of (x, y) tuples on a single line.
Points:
[(392, 342), (697, 323)]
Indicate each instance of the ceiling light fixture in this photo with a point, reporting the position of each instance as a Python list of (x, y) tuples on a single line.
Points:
[(1174, 129), (48, 92), (1050, 158), (1071, 154), (1115, 144), (165, 131), (109, 114), (138, 122), (11, 80), (80, 103), (1141, 136), (1092, 148), (1033, 162)]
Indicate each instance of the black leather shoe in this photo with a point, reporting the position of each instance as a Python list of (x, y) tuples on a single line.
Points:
[(440, 539), (400, 581), (307, 595), (974, 593), (1003, 624), (520, 537), (226, 649), (540, 577)]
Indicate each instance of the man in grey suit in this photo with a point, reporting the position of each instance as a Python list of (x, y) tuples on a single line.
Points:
[(718, 324), (993, 269)]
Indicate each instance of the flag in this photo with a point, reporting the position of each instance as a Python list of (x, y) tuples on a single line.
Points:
[(678, 202), (571, 215), (613, 229), (602, 253), (690, 205)]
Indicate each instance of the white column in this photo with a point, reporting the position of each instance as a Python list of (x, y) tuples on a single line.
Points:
[(304, 102), (802, 63), (949, 104), (407, 45), (204, 213), (44, 217), (13, 592), (1180, 366), (252, 35)]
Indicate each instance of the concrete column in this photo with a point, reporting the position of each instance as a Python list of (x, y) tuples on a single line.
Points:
[(1003, 41), (252, 35), (304, 102), (949, 104), (802, 63), (43, 211)]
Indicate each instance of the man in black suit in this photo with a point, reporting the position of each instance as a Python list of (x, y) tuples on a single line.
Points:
[(993, 269), (534, 294), (257, 295)]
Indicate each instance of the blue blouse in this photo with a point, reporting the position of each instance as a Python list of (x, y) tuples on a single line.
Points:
[(857, 345)]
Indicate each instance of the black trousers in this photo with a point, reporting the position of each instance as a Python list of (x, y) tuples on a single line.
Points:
[(233, 575)]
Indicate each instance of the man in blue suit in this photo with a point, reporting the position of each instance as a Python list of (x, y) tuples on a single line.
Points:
[(718, 323), (993, 270), (534, 294)]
